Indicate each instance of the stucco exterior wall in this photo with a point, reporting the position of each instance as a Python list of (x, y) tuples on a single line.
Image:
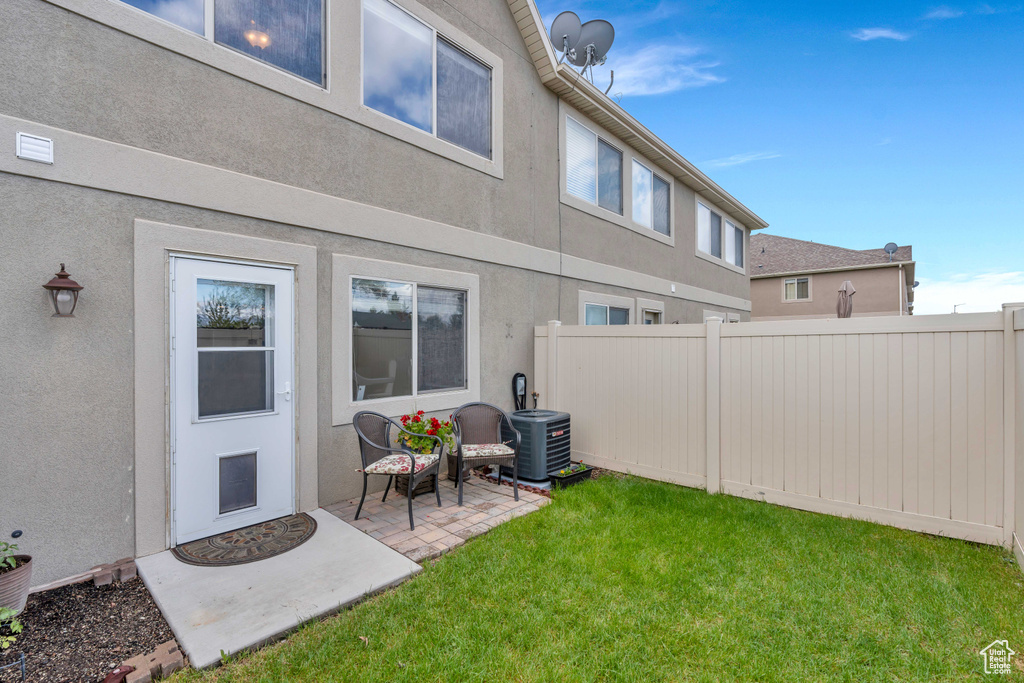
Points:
[(67, 440), (878, 293)]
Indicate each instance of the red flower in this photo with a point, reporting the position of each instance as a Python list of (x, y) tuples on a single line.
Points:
[(419, 412), (431, 432), (416, 418), (405, 419)]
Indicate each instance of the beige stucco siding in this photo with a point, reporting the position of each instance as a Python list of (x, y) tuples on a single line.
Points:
[(878, 293), (145, 133)]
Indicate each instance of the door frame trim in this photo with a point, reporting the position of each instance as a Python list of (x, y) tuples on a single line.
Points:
[(172, 360), (153, 244)]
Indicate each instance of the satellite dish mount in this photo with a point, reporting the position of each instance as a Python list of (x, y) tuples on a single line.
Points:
[(890, 249)]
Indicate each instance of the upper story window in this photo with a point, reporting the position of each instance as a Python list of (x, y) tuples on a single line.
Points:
[(593, 168), (797, 289), (288, 34), (719, 237), (420, 78), (650, 199)]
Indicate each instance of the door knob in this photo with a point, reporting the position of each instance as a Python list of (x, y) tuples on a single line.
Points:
[(287, 391)]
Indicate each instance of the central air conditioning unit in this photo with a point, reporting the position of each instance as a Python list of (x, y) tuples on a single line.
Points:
[(545, 448)]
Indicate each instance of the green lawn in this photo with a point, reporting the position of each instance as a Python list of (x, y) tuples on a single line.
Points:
[(628, 579)]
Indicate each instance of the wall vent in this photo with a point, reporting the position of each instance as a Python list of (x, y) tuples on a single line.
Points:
[(34, 148)]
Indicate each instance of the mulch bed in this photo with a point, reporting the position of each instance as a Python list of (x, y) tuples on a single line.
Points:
[(80, 632)]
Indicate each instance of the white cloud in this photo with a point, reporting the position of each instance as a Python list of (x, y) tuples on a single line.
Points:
[(737, 159), (984, 292), (866, 34), (658, 69), (944, 12)]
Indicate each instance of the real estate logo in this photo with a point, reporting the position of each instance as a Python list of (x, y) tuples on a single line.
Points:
[(997, 657)]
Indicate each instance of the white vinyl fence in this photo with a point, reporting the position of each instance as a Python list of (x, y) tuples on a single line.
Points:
[(908, 421)]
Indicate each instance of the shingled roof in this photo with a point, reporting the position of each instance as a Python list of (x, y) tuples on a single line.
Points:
[(772, 254)]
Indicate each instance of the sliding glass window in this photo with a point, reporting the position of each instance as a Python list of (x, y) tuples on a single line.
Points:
[(414, 75), (287, 34)]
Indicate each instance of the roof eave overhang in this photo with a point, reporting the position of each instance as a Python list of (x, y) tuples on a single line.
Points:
[(584, 96), (909, 265)]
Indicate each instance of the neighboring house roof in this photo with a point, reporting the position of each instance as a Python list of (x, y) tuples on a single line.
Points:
[(582, 94), (775, 255)]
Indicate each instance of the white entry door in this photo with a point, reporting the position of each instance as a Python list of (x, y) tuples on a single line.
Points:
[(232, 406)]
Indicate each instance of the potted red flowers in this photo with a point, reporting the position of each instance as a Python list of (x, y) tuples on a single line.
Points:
[(418, 423)]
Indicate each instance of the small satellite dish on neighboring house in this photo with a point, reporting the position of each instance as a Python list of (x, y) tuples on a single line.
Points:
[(584, 45), (890, 249)]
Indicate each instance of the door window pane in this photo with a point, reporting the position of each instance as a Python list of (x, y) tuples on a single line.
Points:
[(237, 483), (661, 206), (618, 316), (580, 161), (441, 339), (463, 99), (285, 33), (232, 314), (609, 177), (643, 200), (188, 14), (381, 339), (398, 64), (596, 314), (235, 382)]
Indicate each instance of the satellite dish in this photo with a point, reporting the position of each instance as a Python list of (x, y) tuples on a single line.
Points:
[(890, 249), (565, 33), (596, 38), (584, 45)]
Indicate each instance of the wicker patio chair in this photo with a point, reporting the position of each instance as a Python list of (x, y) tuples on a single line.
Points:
[(379, 456), (477, 431)]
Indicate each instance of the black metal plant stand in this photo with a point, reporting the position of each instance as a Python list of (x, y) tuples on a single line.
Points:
[(19, 663)]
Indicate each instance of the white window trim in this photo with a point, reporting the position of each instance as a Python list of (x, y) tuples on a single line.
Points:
[(342, 55), (344, 407), (644, 305), (725, 217), (810, 293), (626, 219), (433, 113), (604, 300)]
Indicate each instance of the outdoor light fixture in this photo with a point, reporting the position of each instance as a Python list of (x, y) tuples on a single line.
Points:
[(256, 37), (63, 293)]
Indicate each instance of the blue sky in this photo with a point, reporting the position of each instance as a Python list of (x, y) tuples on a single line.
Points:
[(853, 124)]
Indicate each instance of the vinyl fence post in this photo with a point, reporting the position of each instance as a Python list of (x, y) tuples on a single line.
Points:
[(713, 328), (552, 378), (1013, 365)]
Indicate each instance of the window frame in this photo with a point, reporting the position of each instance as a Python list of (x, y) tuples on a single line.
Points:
[(796, 283), (645, 306), (598, 139), (208, 36), (654, 176), (625, 220), (435, 35), (726, 221), (345, 269), (606, 300)]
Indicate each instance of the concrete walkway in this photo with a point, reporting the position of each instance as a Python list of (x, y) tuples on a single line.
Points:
[(236, 608)]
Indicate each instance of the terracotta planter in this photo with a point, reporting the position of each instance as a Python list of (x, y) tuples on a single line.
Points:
[(14, 584)]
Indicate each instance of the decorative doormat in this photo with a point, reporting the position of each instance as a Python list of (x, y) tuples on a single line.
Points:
[(251, 544)]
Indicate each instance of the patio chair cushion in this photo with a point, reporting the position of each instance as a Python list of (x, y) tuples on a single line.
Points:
[(486, 450), (401, 464)]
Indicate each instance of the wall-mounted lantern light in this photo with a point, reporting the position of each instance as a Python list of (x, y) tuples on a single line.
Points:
[(63, 293)]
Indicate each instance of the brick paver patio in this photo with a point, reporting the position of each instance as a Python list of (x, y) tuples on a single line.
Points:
[(438, 529)]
